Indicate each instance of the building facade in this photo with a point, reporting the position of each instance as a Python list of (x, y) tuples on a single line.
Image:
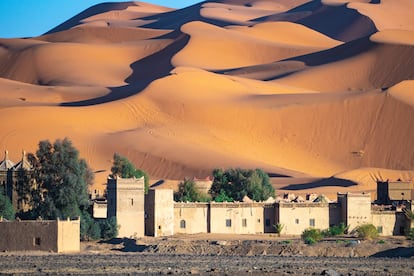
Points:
[(15, 177), (164, 217), (125, 201), (61, 236)]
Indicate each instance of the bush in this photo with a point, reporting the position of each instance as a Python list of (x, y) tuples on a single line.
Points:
[(367, 231), (278, 228), (309, 240), (311, 235), (335, 230)]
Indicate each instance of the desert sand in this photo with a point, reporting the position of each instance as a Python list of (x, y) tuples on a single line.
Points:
[(319, 92)]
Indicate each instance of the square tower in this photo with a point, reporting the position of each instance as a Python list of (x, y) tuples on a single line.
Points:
[(126, 203), (159, 209), (356, 209)]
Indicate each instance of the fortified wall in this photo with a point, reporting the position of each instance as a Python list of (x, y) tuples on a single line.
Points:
[(164, 217)]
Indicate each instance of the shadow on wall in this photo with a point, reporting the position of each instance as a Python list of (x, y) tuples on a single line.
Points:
[(130, 245), (327, 182)]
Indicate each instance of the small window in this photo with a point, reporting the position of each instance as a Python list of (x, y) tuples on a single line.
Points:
[(297, 221), (267, 222), (244, 222), (36, 241), (228, 222), (312, 222), (182, 224), (132, 202), (379, 229)]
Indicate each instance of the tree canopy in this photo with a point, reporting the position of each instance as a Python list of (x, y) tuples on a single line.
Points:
[(62, 179), (187, 191), (57, 187), (125, 169), (234, 184)]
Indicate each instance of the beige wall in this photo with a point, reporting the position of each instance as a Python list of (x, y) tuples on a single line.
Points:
[(191, 218), (68, 236), (385, 220), (99, 209), (356, 209), (159, 212), (296, 217), (48, 235), (126, 203), (236, 218)]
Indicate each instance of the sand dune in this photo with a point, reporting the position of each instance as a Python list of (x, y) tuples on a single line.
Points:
[(242, 48), (308, 90)]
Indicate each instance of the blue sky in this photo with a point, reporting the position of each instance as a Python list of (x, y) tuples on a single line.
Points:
[(26, 18)]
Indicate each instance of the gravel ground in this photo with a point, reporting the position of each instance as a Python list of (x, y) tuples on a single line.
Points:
[(219, 255), (145, 263)]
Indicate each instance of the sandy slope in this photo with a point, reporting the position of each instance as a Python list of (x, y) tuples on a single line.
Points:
[(222, 84)]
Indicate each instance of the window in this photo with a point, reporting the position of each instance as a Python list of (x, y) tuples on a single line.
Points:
[(228, 222), (297, 221), (244, 222), (379, 229), (312, 222), (267, 222), (36, 241), (132, 202), (182, 224)]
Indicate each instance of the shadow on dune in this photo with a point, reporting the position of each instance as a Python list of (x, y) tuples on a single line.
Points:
[(175, 19), (338, 22), (327, 182), (144, 71), (94, 10), (130, 245), (399, 252)]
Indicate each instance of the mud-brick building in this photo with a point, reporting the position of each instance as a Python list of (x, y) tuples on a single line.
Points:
[(125, 201), (61, 236), (12, 178), (225, 218), (298, 216), (159, 213), (156, 214)]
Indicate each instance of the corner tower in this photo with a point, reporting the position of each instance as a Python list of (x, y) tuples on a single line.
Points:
[(126, 203)]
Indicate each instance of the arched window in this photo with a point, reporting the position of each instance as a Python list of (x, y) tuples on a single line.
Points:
[(182, 223)]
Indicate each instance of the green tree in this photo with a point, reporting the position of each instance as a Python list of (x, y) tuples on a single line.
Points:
[(187, 191), (6, 208), (237, 183), (124, 168), (62, 180)]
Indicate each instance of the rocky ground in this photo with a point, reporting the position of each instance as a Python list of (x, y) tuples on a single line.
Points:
[(220, 255)]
